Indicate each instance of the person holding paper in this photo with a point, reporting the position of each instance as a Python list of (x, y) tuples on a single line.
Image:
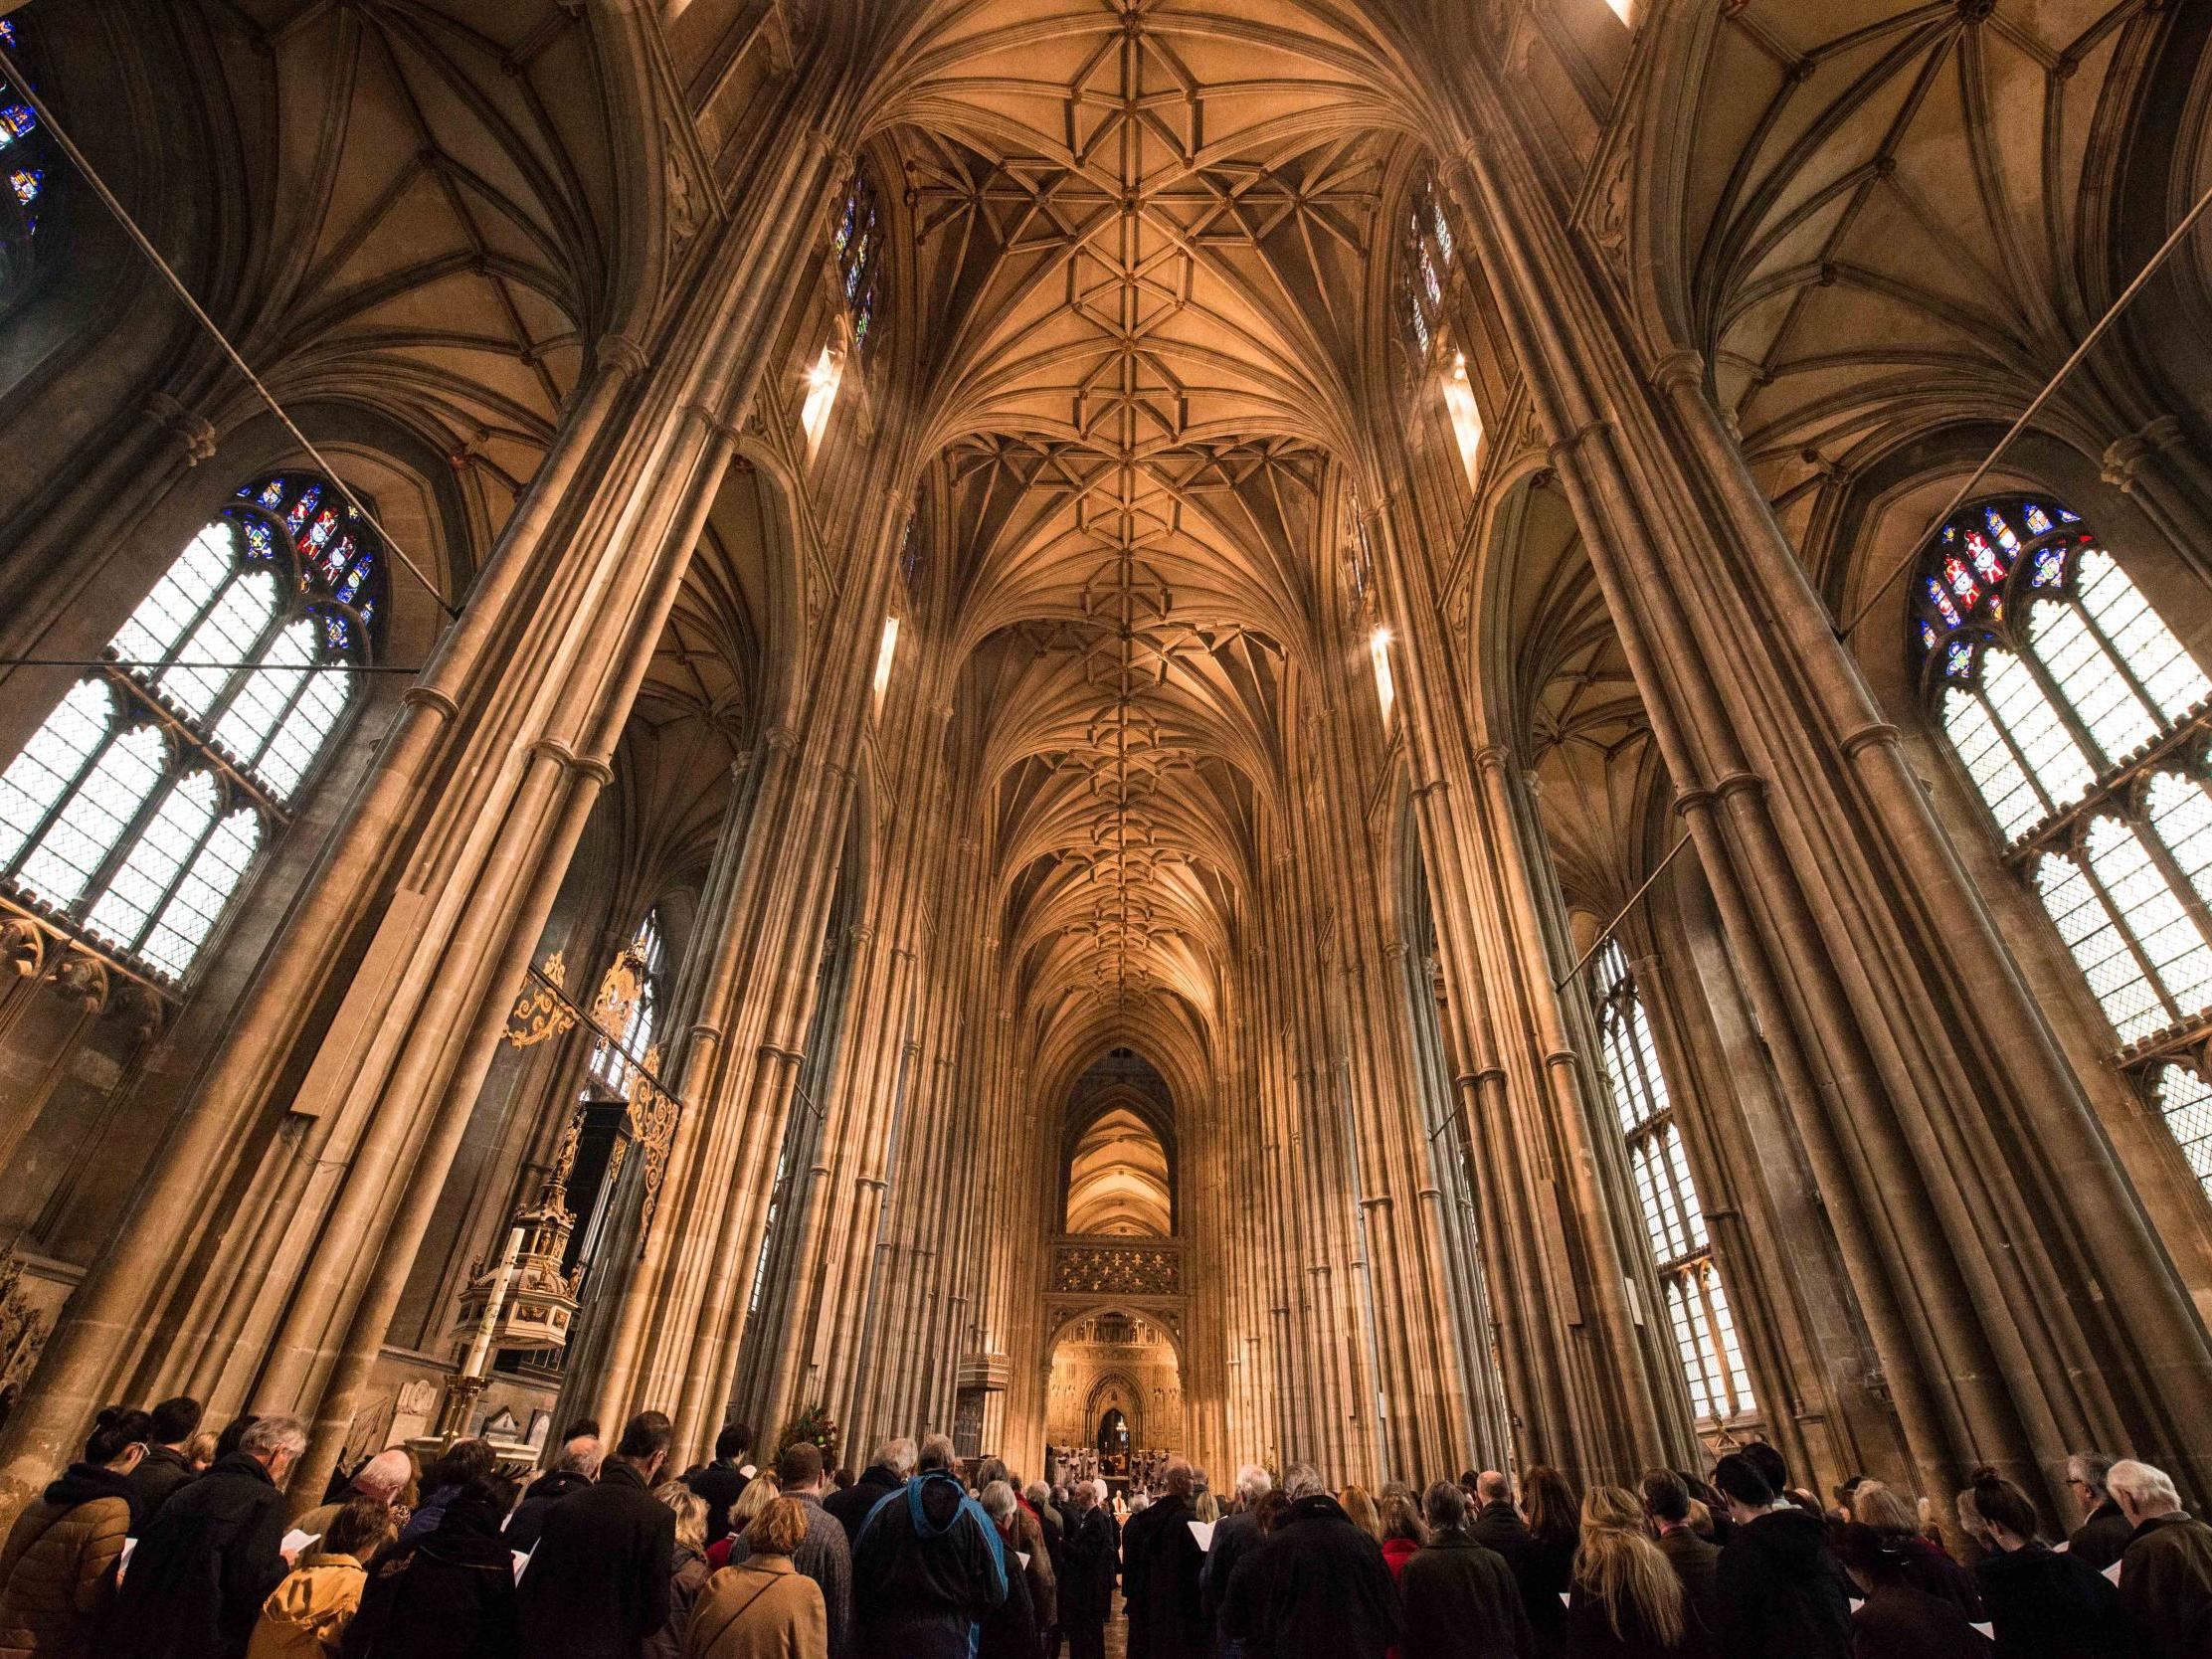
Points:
[(305, 1617), (2041, 1604), (449, 1594), (1022, 1537), (58, 1571)]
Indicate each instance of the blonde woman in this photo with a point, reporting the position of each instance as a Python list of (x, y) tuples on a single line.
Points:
[(763, 1609), (1361, 1508), (689, 1574), (1626, 1602), (729, 1551)]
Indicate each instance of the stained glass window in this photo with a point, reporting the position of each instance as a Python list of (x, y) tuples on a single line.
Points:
[(1697, 1314), (27, 157), (612, 1061), (130, 816), (1426, 270), (858, 245), (2080, 717)]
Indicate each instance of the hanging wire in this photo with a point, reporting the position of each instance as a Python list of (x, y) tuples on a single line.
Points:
[(22, 84)]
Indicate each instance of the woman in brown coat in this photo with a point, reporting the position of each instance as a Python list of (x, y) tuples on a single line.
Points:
[(763, 1609), (58, 1569)]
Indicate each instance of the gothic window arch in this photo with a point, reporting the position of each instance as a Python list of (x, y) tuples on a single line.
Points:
[(859, 248), (26, 164), (130, 816), (2080, 719), (1696, 1304), (1432, 248)]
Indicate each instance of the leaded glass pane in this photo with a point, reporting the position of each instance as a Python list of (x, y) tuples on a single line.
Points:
[(2153, 912), (2099, 949), (191, 915), (1685, 1318), (54, 759), (2140, 637), (2181, 817), (184, 591), (292, 747), (160, 851), (227, 634), (2186, 1101), (2017, 698), (1989, 761), (263, 697), (2090, 680), (1731, 1349), (59, 867)]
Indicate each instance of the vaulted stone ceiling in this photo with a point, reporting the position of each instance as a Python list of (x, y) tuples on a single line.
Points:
[(1145, 228)]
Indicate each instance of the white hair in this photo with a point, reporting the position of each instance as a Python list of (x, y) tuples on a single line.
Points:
[(1097, 1490), (997, 1500), (265, 1437), (1037, 1493), (897, 1455), (1302, 1480), (1253, 1483), (2148, 1489)]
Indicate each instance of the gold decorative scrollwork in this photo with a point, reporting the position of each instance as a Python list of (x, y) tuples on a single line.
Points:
[(620, 992), (543, 1010), (652, 1121)]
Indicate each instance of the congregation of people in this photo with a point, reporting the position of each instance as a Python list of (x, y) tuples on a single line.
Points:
[(166, 1542)]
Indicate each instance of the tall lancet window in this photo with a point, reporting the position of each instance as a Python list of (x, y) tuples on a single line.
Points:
[(636, 1004), (2081, 718), (1431, 249), (1674, 1221), (130, 816)]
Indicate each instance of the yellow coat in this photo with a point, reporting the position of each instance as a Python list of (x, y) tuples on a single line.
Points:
[(305, 1617), (763, 1609)]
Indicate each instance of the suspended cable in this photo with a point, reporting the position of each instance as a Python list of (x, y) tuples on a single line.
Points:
[(2089, 343), (68, 146), (1634, 899)]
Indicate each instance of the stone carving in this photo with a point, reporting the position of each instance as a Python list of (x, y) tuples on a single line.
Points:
[(1117, 1270)]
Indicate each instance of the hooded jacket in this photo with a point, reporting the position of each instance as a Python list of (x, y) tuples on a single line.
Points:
[(58, 1569), (306, 1614), (450, 1596), (927, 1570), (203, 1568), (2045, 1606), (1781, 1591), (1316, 1588)]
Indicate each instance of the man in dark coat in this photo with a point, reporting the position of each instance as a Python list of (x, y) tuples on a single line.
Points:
[(207, 1562), (1696, 1563), (1779, 1589), (2100, 1538), (163, 1469), (1459, 1596), (1086, 1577), (573, 1470), (722, 1482), (1497, 1524), (1166, 1614), (928, 1568), (894, 1461), (597, 1583), (1317, 1588), (1235, 1537), (448, 1595), (2166, 1573)]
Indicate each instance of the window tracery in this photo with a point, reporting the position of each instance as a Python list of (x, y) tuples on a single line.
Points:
[(26, 159), (1431, 246), (2081, 719), (130, 816), (1698, 1311)]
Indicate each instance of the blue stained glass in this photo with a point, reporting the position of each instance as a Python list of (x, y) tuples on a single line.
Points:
[(324, 527), (273, 492), (1951, 534), (27, 182), (2049, 568), (367, 607), (335, 634), (7, 30), (260, 542), (1939, 596), (354, 578), (2066, 517), (2039, 521), (844, 229), (1959, 660), (17, 120), (1928, 635), (2000, 529), (297, 518), (1985, 558)]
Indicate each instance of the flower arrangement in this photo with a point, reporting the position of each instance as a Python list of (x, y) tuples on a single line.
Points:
[(813, 1426)]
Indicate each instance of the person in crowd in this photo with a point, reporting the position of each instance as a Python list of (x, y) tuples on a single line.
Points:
[(1052, 1526), (844, 1478), (1841, 1515), (1362, 1509), (165, 1467), (1316, 1587), (205, 1564), (824, 1555), (1086, 1582), (2166, 1573), (1545, 1567), (1666, 1503), (598, 1581), (575, 1467), (381, 1480), (1898, 1620), (1777, 1592), (58, 1567), (1403, 1533), (1010, 1630), (1497, 1524), (1235, 1537), (729, 1549), (691, 1572), (763, 1608), (2042, 1604), (200, 1455), (1708, 1511), (886, 1472), (1161, 1567), (1021, 1541), (2104, 1531), (465, 1461), (1459, 1596), (1627, 1603), (1926, 1565), (232, 1435), (722, 1482), (449, 1593), (583, 1429), (305, 1617), (927, 1568)]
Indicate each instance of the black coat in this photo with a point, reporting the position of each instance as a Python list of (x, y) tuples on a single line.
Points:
[(1086, 1580), (928, 1570), (1460, 1597), (1546, 1570), (449, 1595), (878, 1482), (2101, 1539), (159, 1475), (203, 1567), (1932, 1572), (1167, 1613), (1011, 1631), (720, 1484), (1590, 1634), (1901, 1622), (2048, 1605), (1236, 1537), (1316, 1588), (1781, 1591), (1696, 1563), (597, 1583), (527, 1525)]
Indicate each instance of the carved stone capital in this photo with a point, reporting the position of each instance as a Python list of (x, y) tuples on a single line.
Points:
[(623, 353), (420, 695), (1878, 732), (193, 431), (553, 748), (1678, 369)]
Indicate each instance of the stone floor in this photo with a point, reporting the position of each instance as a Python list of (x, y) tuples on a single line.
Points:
[(1117, 1637)]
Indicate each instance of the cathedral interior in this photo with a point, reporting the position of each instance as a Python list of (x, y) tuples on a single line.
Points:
[(1416, 734)]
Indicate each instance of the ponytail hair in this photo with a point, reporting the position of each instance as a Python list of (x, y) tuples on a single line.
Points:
[(116, 1432), (2001, 1503)]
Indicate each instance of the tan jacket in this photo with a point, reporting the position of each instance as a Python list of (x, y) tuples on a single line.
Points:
[(58, 1577), (761, 1610), (1028, 1536), (305, 1617)]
